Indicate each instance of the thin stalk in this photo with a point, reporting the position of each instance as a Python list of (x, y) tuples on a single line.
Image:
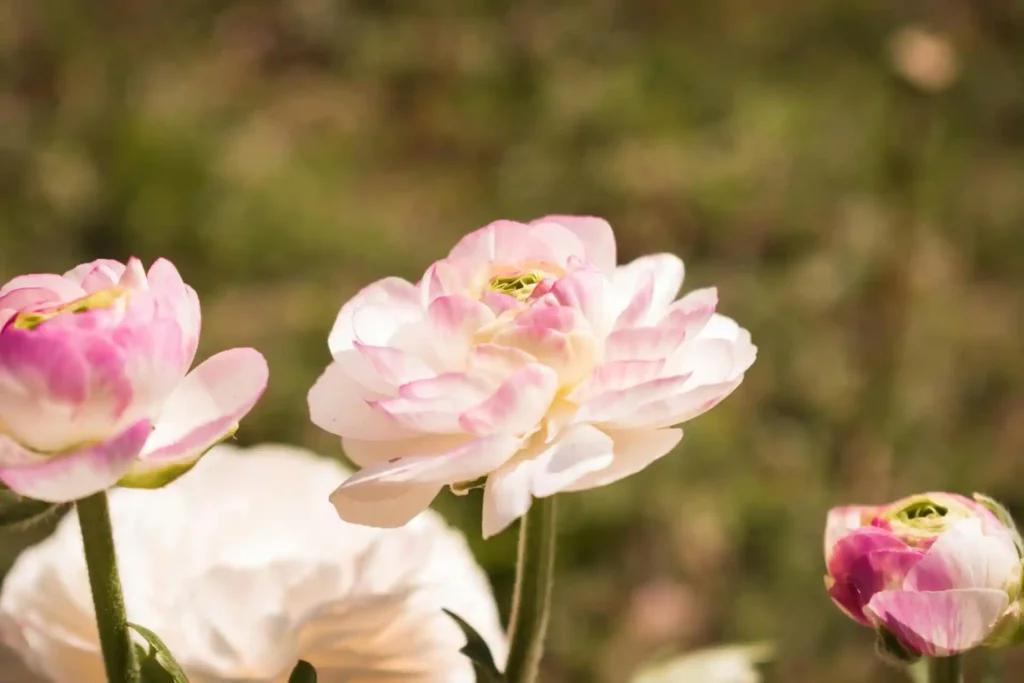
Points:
[(107, 597), (531, 602), (946, 669)]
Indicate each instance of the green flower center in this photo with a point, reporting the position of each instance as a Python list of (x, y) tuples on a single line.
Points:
[(922, 517), (519, 286), (104, 298)]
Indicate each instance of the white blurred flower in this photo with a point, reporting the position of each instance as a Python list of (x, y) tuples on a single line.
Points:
[(726, 664), (242, 567)]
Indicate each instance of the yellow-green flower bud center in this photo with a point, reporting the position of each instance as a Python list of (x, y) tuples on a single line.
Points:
[(519, 286), (104, 298), (924, 517)]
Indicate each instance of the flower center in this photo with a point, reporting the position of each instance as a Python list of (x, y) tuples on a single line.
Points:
[(519, 286), (104, 298)]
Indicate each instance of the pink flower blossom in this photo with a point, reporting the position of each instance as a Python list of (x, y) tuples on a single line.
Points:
[(93, 383), (939, 572), (526, 360)]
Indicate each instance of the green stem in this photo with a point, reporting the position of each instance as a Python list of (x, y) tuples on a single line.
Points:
[(946, 669), (101, 560), (531, 602)]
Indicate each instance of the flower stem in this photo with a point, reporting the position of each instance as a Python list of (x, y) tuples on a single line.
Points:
[(107, 598), (946, 669), (531, 602)]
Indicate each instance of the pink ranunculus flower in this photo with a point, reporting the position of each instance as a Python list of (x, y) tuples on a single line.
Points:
[(526, 358), (936, 574), (93, 383)]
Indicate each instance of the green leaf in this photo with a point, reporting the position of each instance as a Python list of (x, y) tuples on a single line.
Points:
[(303, 673), (18, 512), (158, 477), (156, 662), (478, 652)]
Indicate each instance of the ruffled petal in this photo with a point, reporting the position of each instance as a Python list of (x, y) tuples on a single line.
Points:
[(77, 474), (939, 624)]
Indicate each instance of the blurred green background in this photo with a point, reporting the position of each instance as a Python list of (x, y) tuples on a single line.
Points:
[(849, 173)]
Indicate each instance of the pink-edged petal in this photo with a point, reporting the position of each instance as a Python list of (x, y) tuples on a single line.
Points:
[(382, 307), (28, 299), (496, 362), (965, 557), (457, 317), (436, 404), (205, 408), (58, 391), (507, 496), (677, 409), (134, 275), (633, 451), (466, 462), (370, 453), (339, 405), (643, 343), (652, 283), (394, 366), (863, 575), (580, 451), (623, 404), (517, 406), (595, 234), (693, 311), (96, 275), (60, 288), (840, 521), (74, 475), (617, 375), (502, 242), (586, 291), (385, 506), (404, 486), (939, 624)]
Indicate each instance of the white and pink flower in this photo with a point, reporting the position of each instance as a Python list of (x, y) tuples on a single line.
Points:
[(93, 383), (526, 358), (938, 572)]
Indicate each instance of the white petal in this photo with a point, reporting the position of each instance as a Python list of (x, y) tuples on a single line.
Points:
[(633, 451), (580, 451), (338, 404), (964, 557), (206, 406), (507, 496)]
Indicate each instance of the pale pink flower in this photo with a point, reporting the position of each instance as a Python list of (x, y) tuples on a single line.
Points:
[(938, 572), (242, 567), (525, 357), (93, 383)]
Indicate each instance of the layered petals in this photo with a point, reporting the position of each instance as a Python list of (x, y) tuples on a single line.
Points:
[(89, 356), (940, 573), (529, 333), (277, 578)]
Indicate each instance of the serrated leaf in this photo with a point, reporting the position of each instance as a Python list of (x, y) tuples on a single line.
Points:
[(18, 512), (157, 663), (477, 651), (303, 673)]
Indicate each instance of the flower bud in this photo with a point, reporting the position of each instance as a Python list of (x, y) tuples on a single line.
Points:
[(934, 574)]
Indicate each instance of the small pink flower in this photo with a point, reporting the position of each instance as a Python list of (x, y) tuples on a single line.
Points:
[(939, 572), (93, 383), (525, 358)]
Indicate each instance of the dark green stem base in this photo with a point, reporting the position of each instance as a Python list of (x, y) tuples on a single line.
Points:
[(946, 669)]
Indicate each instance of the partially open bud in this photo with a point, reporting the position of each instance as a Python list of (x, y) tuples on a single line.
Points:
[(934, 574)]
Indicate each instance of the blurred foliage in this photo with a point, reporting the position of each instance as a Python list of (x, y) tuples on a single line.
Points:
[(854, 190)]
